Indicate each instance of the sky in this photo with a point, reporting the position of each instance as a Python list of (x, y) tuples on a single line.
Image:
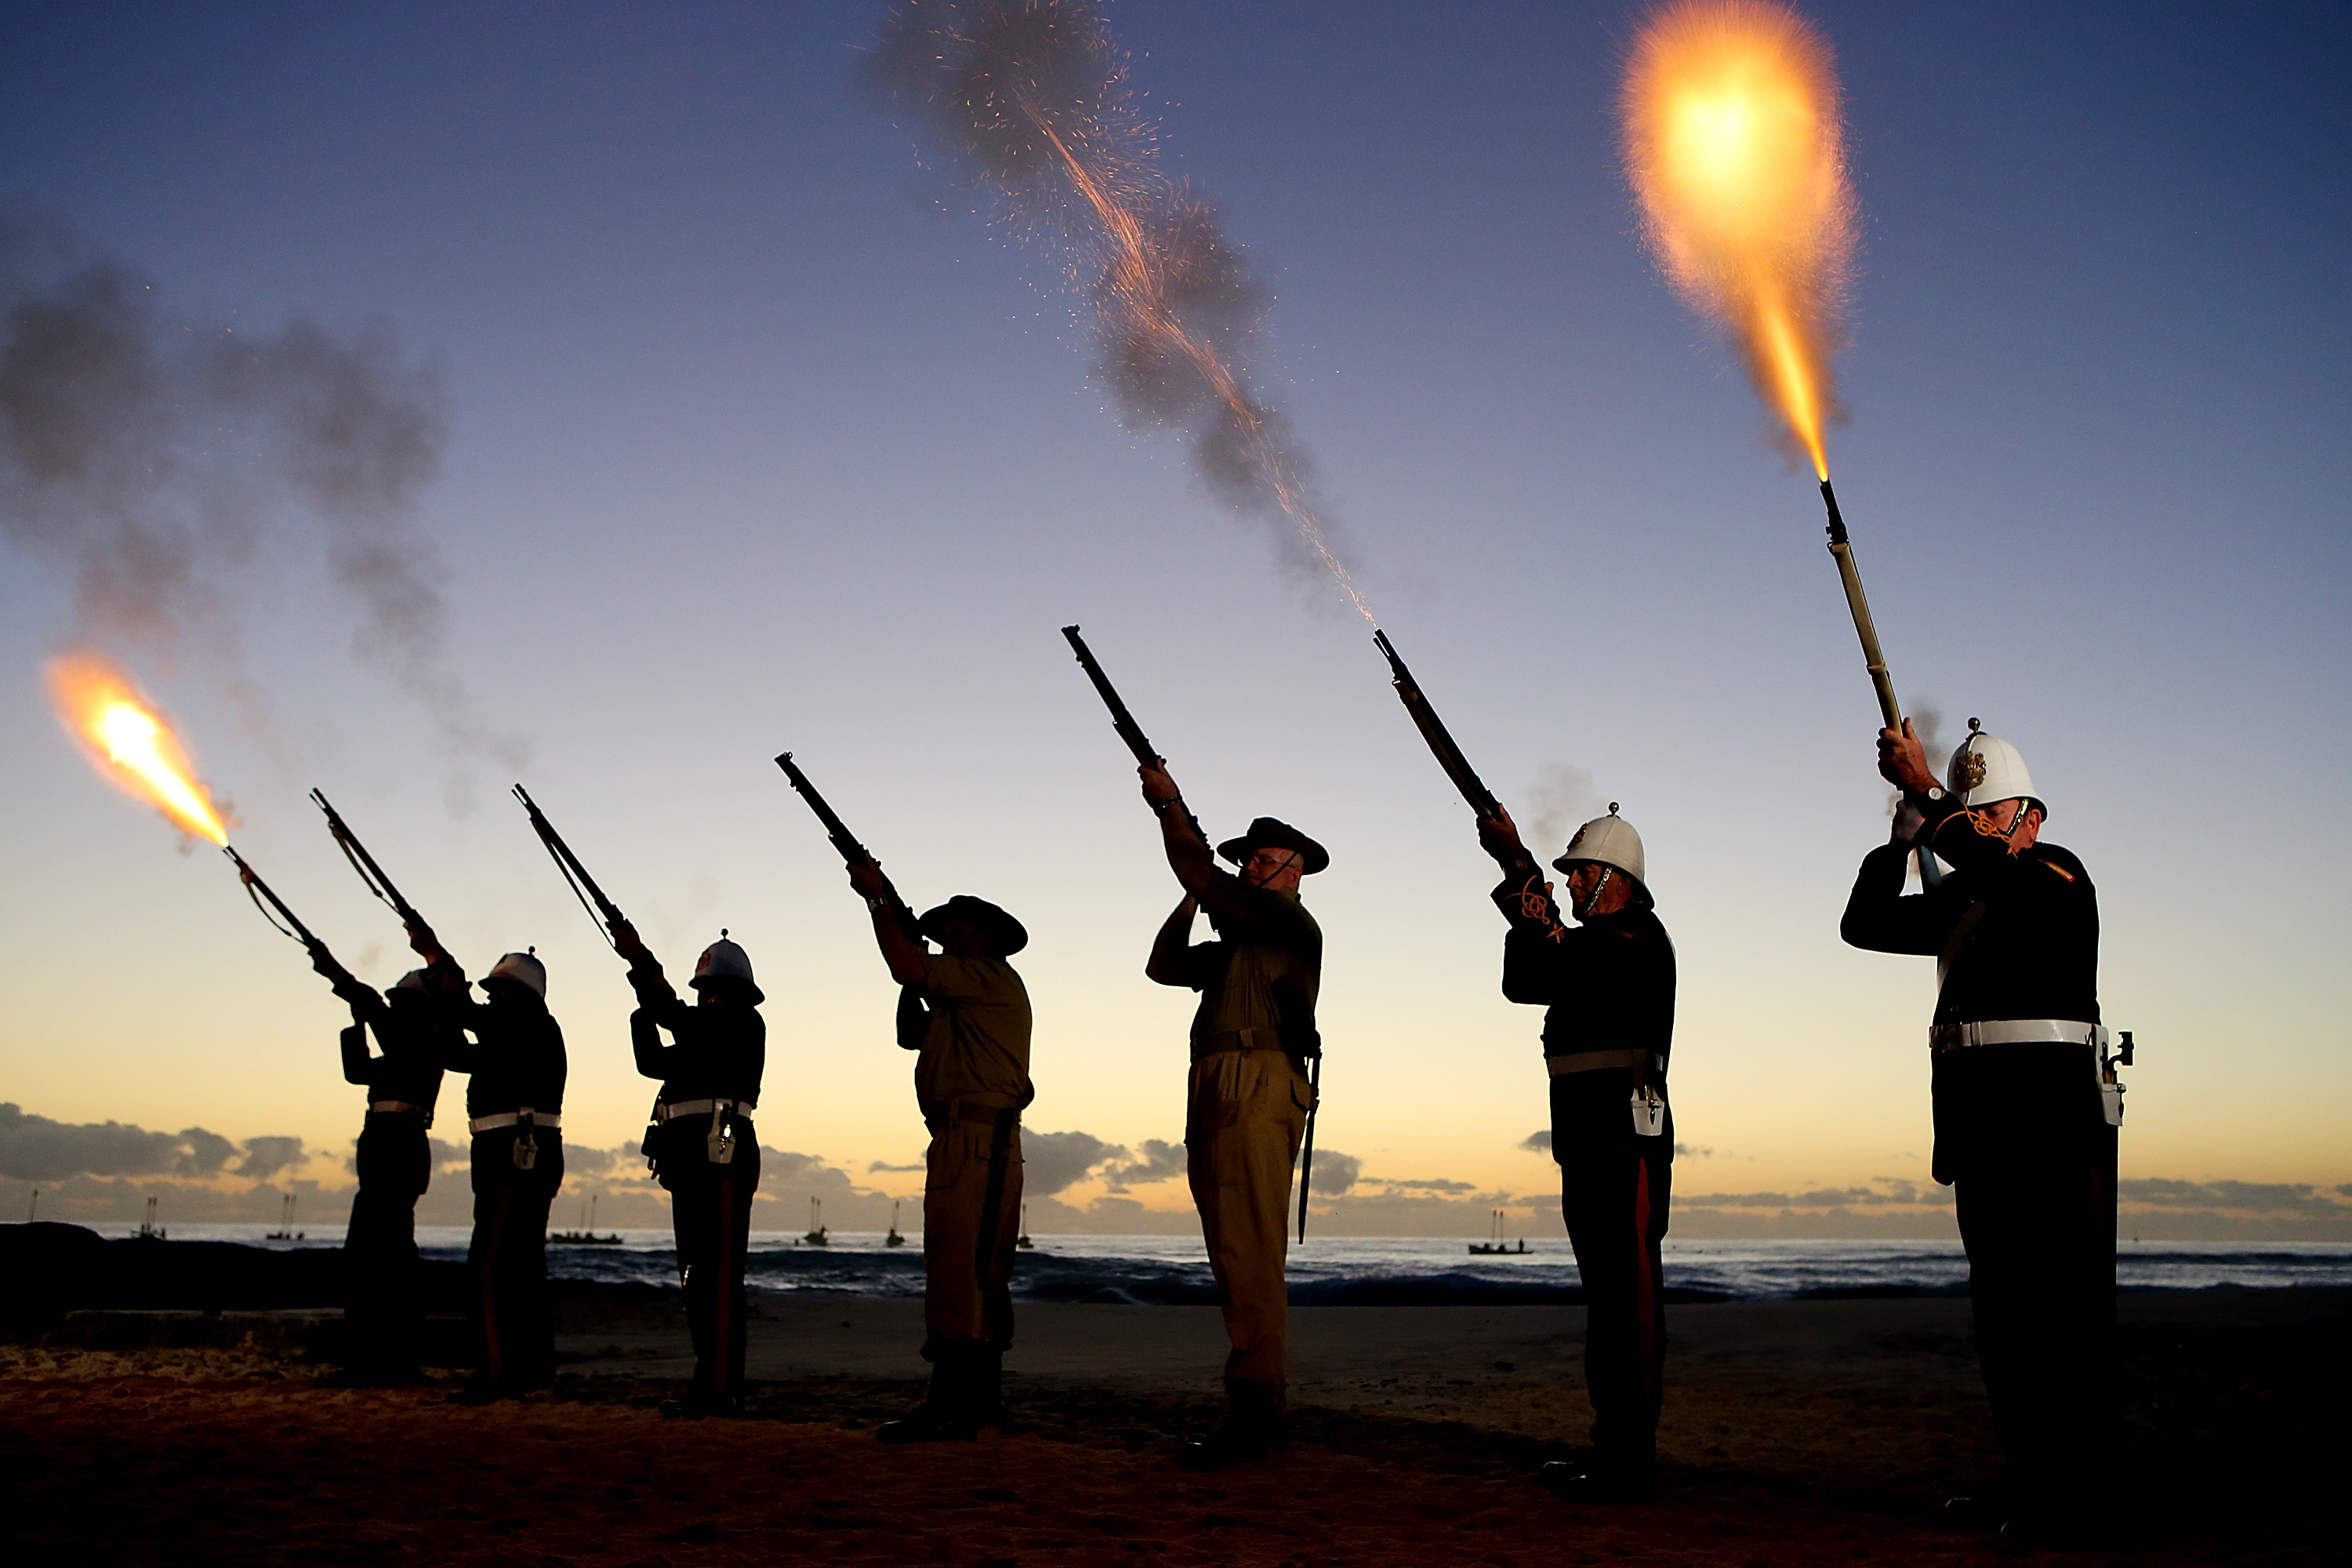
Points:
[(757, 434)]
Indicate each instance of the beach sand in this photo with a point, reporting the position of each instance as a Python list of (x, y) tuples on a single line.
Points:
[(1796, 1432)]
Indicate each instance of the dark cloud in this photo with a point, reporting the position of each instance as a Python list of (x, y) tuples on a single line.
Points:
[(1889, 1191), (1335, 1173), (1161, 1161), (581, 1160), (1052, 1160), (266, 1156), (35, 1149), (1538, 1141), (902, 1170), (2253, 1197), (147, 453)]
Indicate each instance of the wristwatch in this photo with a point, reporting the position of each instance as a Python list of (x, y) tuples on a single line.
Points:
[(1935, 794)]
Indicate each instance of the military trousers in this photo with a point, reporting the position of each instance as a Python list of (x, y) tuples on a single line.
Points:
[(382, 1312), (710, 1215), (1245, 1114), (971, 1218), (506, 1263), (2041, 1239), (1616, 1188)]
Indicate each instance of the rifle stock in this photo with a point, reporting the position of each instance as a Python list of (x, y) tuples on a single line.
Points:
[(845, 842), (1432, 731)]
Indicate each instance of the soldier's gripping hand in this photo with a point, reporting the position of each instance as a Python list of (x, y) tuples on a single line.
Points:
[(1903, 761), (632, 947), (423, 943), (1499, 837), (1158, 789), (867, 877)]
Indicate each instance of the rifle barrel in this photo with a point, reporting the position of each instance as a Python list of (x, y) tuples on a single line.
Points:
[(1873, 658), (569, 863), (1434, 731), (364, 863), (852, 852), (255, 885), (1120, 718)]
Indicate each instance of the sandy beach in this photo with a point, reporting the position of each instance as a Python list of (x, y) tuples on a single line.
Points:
[(1795, 1431)]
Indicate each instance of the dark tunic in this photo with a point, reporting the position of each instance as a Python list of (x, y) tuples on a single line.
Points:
[(1264, 971), (2032, 951), (720, 1052), (415, 1046), (516, 1056)]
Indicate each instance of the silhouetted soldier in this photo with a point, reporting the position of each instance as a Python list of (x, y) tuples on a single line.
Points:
[(1249, 1094), (971, 1082), (382, 1314), (514, 1102), (1609, 988), (2025, 1104), (703, 1145)]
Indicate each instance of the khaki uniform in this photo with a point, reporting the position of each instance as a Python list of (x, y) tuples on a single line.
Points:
[(1245, 1109), (971, 1078)]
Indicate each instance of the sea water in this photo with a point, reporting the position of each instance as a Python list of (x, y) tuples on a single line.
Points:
[(1158, 1270)]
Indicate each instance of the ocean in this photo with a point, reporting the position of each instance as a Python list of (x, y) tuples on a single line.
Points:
[(1164, 1270)]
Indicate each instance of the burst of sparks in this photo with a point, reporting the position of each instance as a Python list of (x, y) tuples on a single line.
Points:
[(131, 743)]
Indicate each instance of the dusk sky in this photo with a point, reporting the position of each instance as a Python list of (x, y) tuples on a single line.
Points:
[(760, 435)]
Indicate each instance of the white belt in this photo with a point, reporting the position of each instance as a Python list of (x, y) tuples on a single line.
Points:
[(400, 1107), (677, 1108), (1594, 1061), (526, 1117), (2016, 1032)]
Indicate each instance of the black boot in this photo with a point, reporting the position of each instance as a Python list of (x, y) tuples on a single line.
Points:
[(1252, 1429), (988, 1386), (947, 1414)]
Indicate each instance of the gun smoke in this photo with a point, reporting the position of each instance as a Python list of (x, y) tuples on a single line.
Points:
[(1031, 99), (146, 452)]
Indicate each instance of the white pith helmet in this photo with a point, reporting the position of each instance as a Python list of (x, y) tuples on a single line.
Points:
[(1606, 841), (524, 969), (1987, 769), (724, 959)]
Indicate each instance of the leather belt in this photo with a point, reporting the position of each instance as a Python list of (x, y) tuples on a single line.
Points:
[(2016, 1032), (983, 1109), (400, 1107), (677, 1108), (526, 1117), (1245, 1041), (1594, 1061)]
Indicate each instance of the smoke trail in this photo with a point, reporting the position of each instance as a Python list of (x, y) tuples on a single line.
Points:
[(1032, 98), (145, 452)]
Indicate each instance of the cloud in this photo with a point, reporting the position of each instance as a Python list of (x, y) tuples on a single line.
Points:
[(1887, 1192), (1336, 1173), (1161, 1161), (1052, 1160), (35, 1149), (2253, 1197), (902, 1170), (266, 1156), (581, 1161), (1538, 1141), (1429, 1184)]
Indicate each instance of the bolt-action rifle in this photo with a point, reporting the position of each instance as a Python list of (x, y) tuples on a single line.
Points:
[(285, 920), (583, 886), (1432, 729), (1120, 718), (852, 852), (371, 873)]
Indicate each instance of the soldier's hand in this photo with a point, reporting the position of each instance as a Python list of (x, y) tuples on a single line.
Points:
[(631, 946), (1158, 788), (867, 878), (1499, 837), (423, 943), (1903, 761)]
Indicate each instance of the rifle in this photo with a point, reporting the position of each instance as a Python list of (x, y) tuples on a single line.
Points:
[(583, 886), (1432, 729), (1120, 718), (852, 852), (371, 873), (286, 921)]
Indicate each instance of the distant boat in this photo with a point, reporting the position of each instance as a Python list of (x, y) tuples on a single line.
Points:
[(816, 1236), (1495, 1245), (1022, 1240), (894, 1239), (148, 1229), (586, 1234), (285, 1231)]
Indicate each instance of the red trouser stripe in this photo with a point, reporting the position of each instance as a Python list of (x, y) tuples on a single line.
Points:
[(493, 1364), (1645, 1290), (723, 1351)]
